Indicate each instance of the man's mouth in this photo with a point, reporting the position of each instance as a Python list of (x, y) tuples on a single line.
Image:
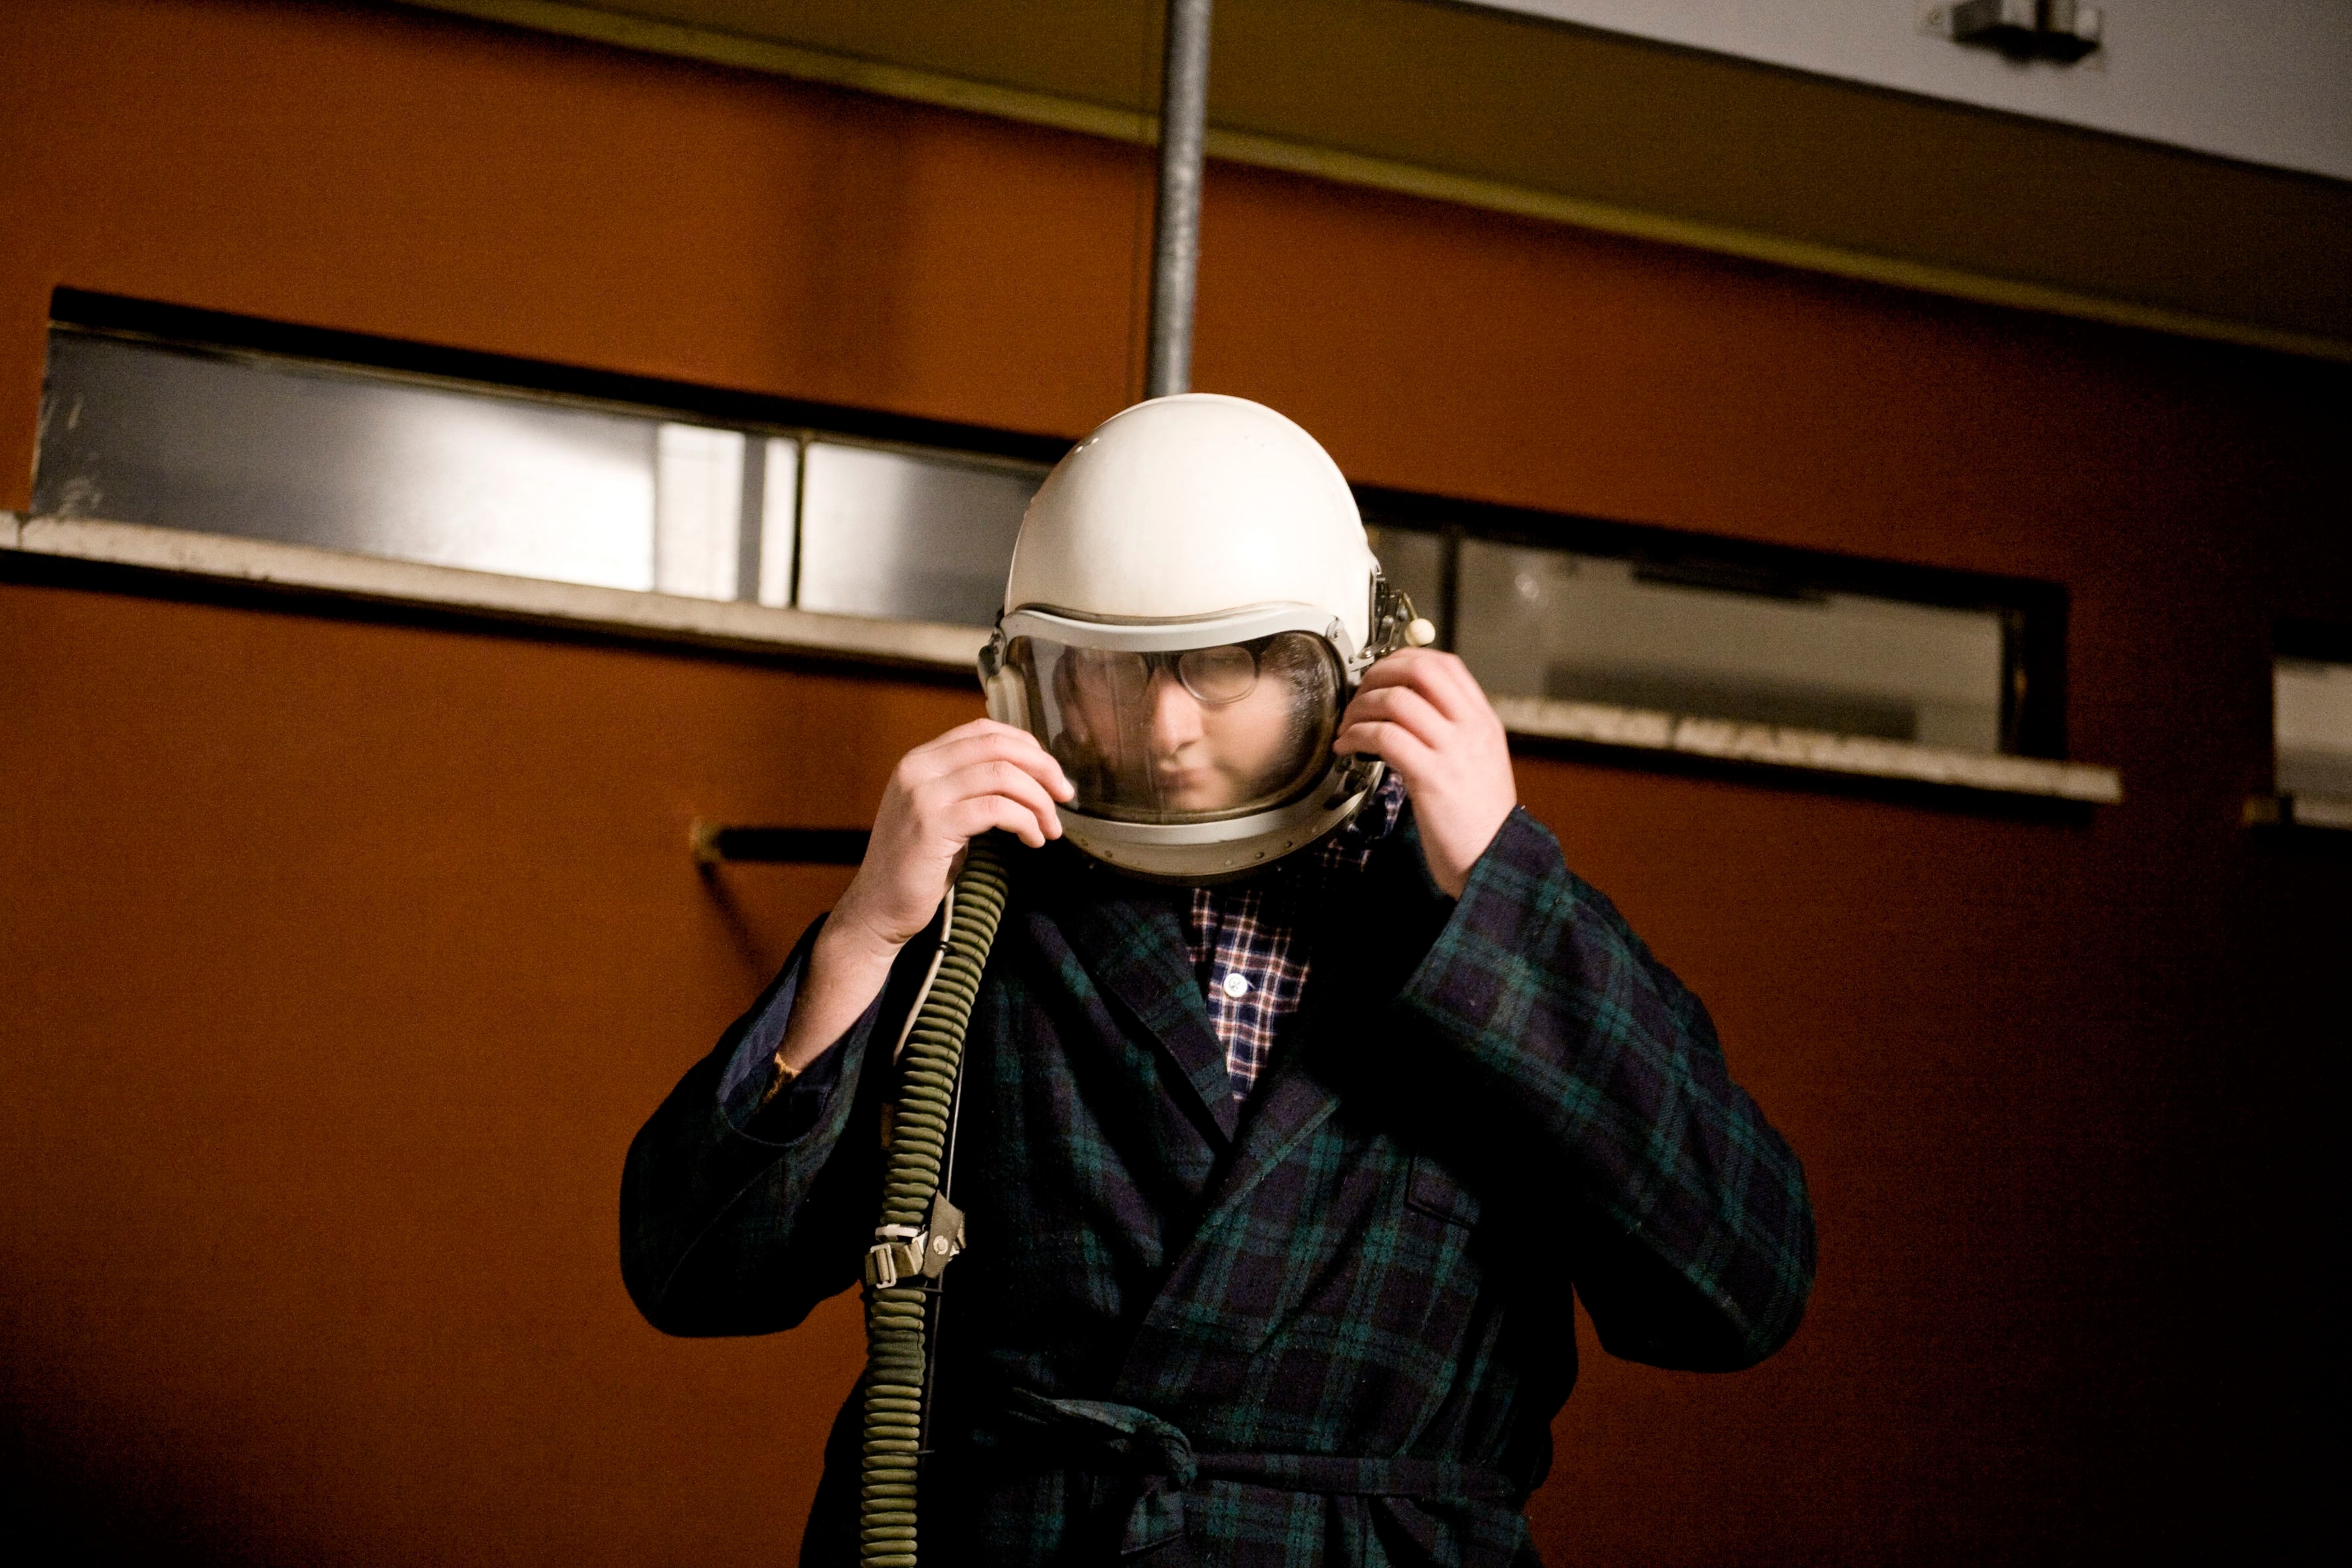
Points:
[(1177, 780)]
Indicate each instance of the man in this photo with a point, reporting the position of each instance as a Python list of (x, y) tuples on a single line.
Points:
[(1305, 1085)]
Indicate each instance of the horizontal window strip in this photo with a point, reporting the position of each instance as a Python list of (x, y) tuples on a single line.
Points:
[(1813, 750)]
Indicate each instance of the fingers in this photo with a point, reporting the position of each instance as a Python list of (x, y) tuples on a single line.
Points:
[(924, 809), (971, 726), (960, 748), (1423, 713), (972, 815), (1430, 697), (1441, 679), (936, 800), (983, 741), (1400, 705), (1391, 743), (979, 729), (976, 777)]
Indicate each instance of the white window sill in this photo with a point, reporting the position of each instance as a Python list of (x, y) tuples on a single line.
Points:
[(2302, 812), (723, 622), (926, 646), (1809, 751)]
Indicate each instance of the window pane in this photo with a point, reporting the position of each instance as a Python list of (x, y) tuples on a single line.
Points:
[(1547, 623), (889, 534), (2313, 705), (135, 432), (698, 510)]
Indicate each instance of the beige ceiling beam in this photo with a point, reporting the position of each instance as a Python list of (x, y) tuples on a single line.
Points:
[(1059, 112)]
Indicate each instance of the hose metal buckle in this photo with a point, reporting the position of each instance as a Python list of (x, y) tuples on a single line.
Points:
[(902, 1251), (897, 1251)]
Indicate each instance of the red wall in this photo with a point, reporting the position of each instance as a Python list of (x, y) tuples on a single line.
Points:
[(339, 956)]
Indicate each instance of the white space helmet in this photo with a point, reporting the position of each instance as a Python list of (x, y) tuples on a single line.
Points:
[(1192, 602)]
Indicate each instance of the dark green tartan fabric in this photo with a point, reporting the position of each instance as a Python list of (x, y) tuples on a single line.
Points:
[(1478, 1108)]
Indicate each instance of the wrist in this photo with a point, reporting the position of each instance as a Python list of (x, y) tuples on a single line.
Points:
[(846, 969), (1452, 849), (850, 946)]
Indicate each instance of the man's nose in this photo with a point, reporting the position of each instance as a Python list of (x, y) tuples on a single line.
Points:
[(1175, 714)]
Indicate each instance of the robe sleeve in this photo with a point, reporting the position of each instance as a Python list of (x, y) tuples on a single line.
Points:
[(741, 1212), (1691, 1237)]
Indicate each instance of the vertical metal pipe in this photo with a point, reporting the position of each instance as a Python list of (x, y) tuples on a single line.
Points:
[(1176, 224)]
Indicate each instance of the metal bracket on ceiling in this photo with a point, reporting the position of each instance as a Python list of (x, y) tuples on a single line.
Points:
[(2057, 30)]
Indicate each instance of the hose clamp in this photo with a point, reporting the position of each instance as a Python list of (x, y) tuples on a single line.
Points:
[(904, 1252)]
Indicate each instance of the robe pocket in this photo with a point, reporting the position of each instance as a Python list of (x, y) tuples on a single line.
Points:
[(1432, 1190)]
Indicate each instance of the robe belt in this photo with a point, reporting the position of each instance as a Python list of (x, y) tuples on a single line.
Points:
[(1158, 1460)]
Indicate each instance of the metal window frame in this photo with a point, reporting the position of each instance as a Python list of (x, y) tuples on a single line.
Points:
[(469, 369), (2278, 811), (2033, 613)]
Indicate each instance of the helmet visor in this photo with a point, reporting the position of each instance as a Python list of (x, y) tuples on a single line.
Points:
[(1193, 735)]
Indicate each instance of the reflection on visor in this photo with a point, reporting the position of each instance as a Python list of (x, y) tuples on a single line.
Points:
[(1190, 736)]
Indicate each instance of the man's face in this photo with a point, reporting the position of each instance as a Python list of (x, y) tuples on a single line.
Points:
[(1210, 730)]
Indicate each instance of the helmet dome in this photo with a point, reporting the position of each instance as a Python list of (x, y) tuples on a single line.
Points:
[(1188, 507)]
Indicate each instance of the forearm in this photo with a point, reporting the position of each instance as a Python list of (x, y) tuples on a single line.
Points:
[(1554, 1017), (845, 971), (728, 1198)]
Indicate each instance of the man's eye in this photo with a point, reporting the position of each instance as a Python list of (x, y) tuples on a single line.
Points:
[(1223, 674)]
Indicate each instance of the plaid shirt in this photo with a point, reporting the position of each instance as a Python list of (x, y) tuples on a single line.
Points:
[(1242, 936)]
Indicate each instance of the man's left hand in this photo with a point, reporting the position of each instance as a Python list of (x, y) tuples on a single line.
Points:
[(1422, 712)]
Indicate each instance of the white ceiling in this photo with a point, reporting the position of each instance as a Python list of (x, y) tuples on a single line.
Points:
[(2269, 82)]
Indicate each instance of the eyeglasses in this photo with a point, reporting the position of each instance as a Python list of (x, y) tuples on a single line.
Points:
[(1225, 673)]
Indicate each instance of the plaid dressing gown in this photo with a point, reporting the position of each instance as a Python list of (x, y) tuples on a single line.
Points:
[(1329, 1324)]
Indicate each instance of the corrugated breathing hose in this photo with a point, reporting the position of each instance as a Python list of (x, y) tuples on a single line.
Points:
[(920, 1231)]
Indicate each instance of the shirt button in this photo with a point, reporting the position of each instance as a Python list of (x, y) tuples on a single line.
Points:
[(1237, 987)]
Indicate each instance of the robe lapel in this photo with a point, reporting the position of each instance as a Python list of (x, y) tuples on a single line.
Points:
[(1361, 949), (1215, 1304), (1131, 940)]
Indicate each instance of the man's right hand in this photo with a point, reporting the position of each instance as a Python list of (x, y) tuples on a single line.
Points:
[(943, 794)]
